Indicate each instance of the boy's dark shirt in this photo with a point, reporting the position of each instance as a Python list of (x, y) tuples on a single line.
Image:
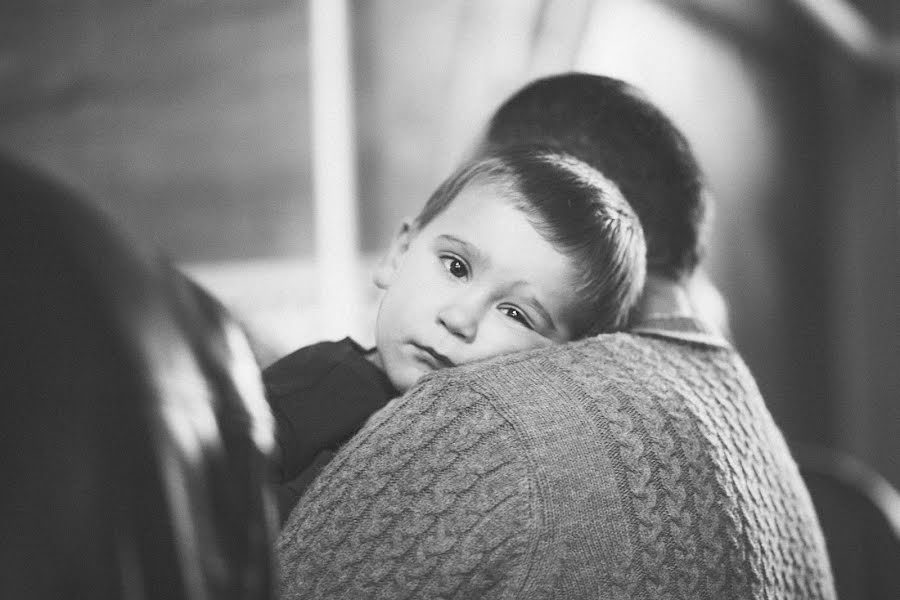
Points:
[(320, 396)]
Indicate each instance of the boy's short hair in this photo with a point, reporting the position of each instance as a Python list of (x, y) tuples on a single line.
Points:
[(577, 210), (610, 125)]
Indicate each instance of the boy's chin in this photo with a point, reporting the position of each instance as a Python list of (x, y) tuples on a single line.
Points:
[(405, 377)]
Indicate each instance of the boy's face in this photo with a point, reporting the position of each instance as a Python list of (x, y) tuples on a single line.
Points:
[(477, 281)]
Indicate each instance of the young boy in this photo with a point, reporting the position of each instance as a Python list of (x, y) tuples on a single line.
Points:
[(525, 248)]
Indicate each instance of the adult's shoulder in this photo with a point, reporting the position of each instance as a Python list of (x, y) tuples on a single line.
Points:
[(431, 499), (598, 362), (485, 481), (607, 350)]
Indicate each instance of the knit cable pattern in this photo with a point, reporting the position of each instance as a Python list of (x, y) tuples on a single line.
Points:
[(714, 499), (375, 524)]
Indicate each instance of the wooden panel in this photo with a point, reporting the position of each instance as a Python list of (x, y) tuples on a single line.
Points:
[(187, 122)]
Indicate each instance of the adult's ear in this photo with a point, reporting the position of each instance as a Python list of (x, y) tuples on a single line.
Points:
[(390, 263)]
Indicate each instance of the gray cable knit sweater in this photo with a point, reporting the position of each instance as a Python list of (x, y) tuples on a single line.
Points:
[(625, 466)]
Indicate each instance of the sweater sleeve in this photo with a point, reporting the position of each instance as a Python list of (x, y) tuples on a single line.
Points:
[(431, 500)]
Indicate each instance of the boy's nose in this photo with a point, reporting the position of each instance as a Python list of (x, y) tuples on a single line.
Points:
[(460, 320)]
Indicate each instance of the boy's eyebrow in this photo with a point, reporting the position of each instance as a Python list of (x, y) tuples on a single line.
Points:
[(477, 255)]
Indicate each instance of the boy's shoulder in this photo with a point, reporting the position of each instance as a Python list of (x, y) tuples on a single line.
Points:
[(306, 367)]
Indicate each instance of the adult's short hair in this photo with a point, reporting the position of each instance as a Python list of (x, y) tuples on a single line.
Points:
[(611, 125)]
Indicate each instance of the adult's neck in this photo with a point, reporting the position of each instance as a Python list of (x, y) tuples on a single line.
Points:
[(664, 296), (696, 298)]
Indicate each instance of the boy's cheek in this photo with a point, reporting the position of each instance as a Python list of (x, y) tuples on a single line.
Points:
[(502, 338)]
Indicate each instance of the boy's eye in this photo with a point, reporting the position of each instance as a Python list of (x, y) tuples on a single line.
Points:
[(517, 315), (455, 267)]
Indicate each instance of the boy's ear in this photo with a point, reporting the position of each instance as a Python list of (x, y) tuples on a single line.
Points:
[(390, 263)]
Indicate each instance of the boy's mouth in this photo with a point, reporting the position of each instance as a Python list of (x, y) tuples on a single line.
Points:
[(437, 360)]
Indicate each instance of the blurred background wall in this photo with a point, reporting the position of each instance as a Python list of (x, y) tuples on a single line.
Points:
[(190, 124)]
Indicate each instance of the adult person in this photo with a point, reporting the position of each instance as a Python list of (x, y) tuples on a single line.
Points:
[(629, 465)]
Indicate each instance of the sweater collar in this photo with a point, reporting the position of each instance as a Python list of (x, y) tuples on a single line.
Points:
[(679, 328)]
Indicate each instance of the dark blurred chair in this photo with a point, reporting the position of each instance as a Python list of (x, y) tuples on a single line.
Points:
[(860, 516), (134, 431)]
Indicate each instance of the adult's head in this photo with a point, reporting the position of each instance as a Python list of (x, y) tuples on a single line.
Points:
[(134, 430), (518, 250), (610, 125)]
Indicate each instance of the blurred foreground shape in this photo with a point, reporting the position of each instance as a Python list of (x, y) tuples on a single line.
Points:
[(135, 433)]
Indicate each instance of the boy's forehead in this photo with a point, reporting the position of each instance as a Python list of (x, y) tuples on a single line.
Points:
[(485, 218), (495, 186), (484, 194)]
